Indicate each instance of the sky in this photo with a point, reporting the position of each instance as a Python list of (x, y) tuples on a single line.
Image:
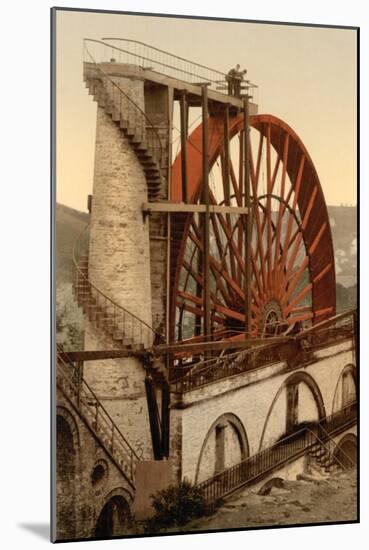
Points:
[(306, 76)]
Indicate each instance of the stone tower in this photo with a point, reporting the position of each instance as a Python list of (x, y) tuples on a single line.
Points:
[(119, 249)]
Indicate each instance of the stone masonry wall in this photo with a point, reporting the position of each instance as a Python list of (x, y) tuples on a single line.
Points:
[(119, 256), (119, 266), (119, 385), (249, 396), (88, 498)]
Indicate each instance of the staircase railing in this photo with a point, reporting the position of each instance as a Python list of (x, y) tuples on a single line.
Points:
[(337, 454), (150, 133), (163, 62), (128, 325), (329, 446), (95, 415), (267, 460), (169, 64), (338, 328), (208, 371), (203, 372)]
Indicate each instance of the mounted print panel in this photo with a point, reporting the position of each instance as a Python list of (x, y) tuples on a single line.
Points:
[(205, 373)]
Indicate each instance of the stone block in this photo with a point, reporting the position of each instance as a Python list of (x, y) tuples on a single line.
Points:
[(151, 476)]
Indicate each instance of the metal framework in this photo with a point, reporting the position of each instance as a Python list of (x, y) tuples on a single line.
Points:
[(266, 271)]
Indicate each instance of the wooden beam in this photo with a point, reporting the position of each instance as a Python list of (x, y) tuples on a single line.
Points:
[(183, 112), (205, 200), (151, 207), (248, 219), (226, 175), (202, 347)]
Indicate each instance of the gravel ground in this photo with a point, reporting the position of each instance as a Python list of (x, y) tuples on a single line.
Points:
[(298, 502)]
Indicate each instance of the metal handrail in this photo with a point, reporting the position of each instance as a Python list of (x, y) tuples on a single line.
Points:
[(201, 373), (101, 406), (252, 467), (137, 107), (192, 73), (325, 446), (230, 362), (106, 298), (342, 325), (327, 435), (221, 75), (326, 323), (88, 406)]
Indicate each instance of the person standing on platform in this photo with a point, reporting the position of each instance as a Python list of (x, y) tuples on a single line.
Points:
[(234, 79), (231, 79), (237, 82)]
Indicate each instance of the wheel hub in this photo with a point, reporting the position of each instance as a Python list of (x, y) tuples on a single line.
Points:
[(271, 322)]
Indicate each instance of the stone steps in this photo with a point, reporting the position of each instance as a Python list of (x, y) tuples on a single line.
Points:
[(322, 461), (133, 124), (120, 328)]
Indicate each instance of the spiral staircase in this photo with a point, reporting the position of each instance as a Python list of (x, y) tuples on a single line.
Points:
[(134, 123)]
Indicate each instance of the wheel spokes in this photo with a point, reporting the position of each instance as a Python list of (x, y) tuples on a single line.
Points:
[(281, 248)]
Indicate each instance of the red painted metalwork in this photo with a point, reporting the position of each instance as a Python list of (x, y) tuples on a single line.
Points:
[(292, 259)]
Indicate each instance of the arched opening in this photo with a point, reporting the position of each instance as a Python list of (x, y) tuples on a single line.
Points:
[(346, 451), (65, 479), (114, 518), (99, 474), (345, 391), (224, 446), (297, 403)]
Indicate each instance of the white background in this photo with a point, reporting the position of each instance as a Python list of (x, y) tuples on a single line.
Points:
[(24, 272)]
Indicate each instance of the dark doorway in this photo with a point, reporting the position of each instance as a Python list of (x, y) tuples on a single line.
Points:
[(114, 519), (346, 451)]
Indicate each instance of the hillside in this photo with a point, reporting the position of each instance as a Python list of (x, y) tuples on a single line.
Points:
[(343, 220), (69, 224)]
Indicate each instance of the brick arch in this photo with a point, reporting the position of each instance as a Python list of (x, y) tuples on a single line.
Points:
[(351, 368), (72, 423), (67, 473), (240, 430), (346, 449), (118, 491), (295, 379), (121, 499), (301, 376), (352, 438)]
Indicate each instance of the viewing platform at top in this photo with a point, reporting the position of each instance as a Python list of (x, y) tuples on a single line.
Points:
[(133, 59)]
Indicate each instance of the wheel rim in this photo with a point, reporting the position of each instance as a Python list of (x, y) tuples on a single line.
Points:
[(293, 276)]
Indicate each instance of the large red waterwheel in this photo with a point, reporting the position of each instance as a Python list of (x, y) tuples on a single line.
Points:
[(292, 260)]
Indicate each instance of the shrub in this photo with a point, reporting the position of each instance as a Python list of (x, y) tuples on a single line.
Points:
[(69, 319), (177, 505)]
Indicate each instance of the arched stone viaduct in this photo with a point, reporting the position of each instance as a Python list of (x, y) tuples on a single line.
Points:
[(215, 426), (212, 428)]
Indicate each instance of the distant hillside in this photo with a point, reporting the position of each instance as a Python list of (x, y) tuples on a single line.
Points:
[(346, 298), (343, 220), (69, 224)]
